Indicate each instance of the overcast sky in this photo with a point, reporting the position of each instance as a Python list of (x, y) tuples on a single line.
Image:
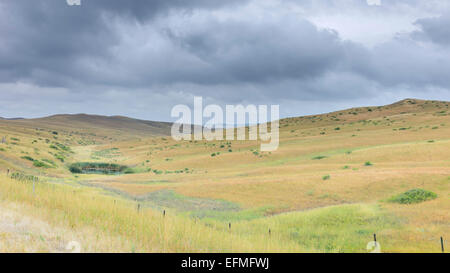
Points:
[(139, 58)]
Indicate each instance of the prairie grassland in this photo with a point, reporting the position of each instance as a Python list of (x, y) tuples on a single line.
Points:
[(367, 155), (104, 224)]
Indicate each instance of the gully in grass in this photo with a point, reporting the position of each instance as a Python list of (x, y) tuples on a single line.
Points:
[(236, 116)]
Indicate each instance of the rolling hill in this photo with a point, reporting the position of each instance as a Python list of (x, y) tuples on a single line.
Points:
[(328, 187)]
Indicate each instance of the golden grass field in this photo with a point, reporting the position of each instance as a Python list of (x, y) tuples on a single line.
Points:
[(325, 189)]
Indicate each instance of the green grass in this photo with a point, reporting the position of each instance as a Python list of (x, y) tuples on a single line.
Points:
[(96, 167), (107, 153), (40, 164), (171, 199), (59, 157), (51, 162), (413, 196), (346, 228)]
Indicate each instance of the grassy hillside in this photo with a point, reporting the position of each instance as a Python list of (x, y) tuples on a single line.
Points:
[(328, 187)]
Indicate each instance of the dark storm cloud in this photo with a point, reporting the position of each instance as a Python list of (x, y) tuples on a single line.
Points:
[(118, 54), (145, 9), (243, 51), (44, 41)]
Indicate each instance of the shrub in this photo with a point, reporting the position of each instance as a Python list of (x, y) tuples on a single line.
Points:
[(40, 164), (29, 158), (368, 163), (60, 146), (319, 157), (49, 161), (129, 171), (413, 196), (326, 177), (75, 169), (96, 167), (59, 157)]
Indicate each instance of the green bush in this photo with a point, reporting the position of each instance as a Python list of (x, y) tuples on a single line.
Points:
[(59, 157), (49, 161), (29, 158), (40, 164), (368, 163), (129, 171), (319, 157), (413, 196), (59, 146), (96, 167), (75, 169), (326, 177)]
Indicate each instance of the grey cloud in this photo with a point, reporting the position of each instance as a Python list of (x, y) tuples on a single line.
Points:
[(435, 29), (44, 41), (129, 55), (243, 52)]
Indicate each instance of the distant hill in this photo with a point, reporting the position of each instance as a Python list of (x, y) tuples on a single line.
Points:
[(120, 127), (10, 118), (117, 127), (403, 107)]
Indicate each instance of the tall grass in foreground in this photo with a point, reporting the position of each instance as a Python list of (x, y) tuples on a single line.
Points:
[(145, 230), (344, 228)]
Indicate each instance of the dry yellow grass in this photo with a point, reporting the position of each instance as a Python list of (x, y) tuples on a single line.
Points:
[(407, 145)]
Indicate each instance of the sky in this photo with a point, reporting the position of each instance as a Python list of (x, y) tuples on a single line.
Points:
[(140, 58)]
